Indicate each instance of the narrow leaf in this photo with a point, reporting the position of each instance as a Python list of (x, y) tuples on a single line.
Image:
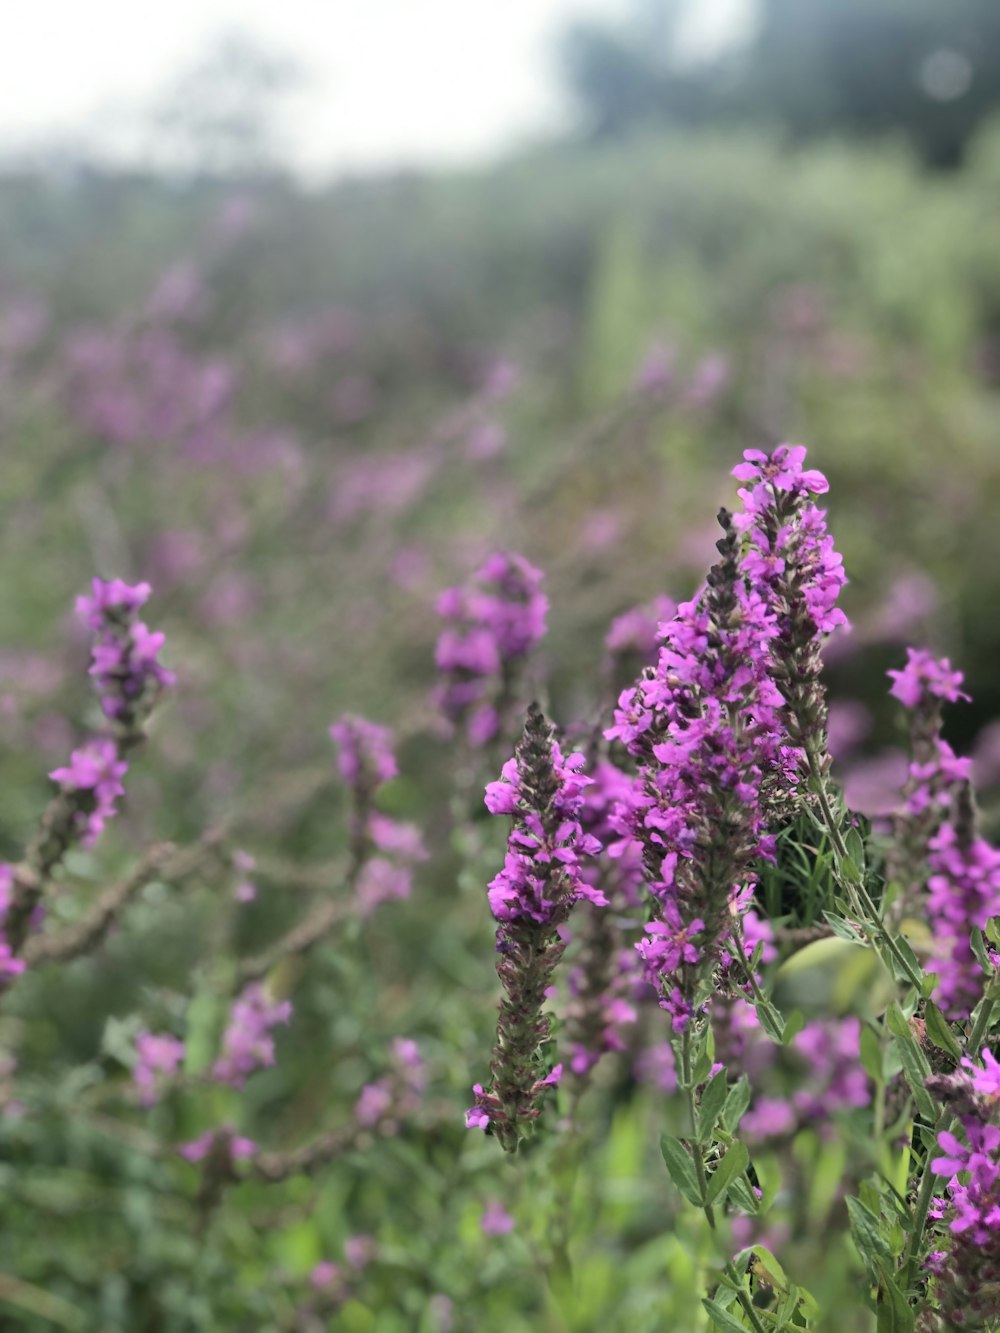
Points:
[(871, 1053), (736, 1103), (722, 1318), (867, 1234), (735, 1162), (681, 1168), (939, 1031), (713, 1099)]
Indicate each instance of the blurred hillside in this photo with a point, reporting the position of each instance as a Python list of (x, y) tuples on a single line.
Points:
[(924, 71)]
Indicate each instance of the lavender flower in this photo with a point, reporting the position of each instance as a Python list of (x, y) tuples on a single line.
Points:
[(966, 1274), (964, 893), (496, 1221), (96, 771), (398, 1094), (157, 1059), (490, 627), (222, 1143), (10, 966), (704, 728), (248, 1044), (125, 668), (792, 565), (935, 774), (531, 898), (366, 759)]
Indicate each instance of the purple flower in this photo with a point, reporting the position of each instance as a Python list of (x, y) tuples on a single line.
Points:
[(925, 674), (542, 874), (324, 1274), (247, 1044), (366, 758), (96, 769), (706, 731), (124, 666), (489, 628), (235, 1146), (769, 1117), (964, 892), (781, 469), (531, 899), (496, 1221), (157, 1059)]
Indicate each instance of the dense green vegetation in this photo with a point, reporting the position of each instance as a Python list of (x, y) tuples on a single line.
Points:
[(297, 527)]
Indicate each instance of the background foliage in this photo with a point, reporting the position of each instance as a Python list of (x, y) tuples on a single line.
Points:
[(339, 402)]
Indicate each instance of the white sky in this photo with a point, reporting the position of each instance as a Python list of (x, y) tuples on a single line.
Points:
[(392, 81)]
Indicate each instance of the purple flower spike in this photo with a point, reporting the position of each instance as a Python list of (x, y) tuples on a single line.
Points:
[(489, 629), (531, 898), (125, 668)]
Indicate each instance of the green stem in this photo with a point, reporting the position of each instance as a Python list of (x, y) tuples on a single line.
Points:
[(861, 899), (699, 1166)]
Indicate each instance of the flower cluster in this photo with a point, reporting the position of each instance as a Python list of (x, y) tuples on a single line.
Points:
[(125, 668), (248, 1044), (542, 875), (967, 1273), (936, 840), (926, 676), (964, 893), (156, 1060), (490, 627), (388, 874), (632, 642), (935, 774), (397, 1095), (365, 756), (705, 729), (383, 850), (606, 982), (222, 1143), (790, 560), (10, 965), (94, 777), (531, 898)]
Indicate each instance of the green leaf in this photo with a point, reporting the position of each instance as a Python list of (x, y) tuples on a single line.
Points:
[(681, 1167), (909, 960), (703, 1065), (856, 849), (794, 1024), (843, 928), (775, 1272), (770, 1020), (867, 1234), (722, 1318), (736, 1103), (979, 949), (871, 1053), (915, 1064), (939, 1031), (893, 1310), (713, 1099), (743, 1196), (896, 1020), (735, 1162)]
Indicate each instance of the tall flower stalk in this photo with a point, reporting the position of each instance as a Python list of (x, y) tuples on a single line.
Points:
[(531, 898), (129, 678), (704, 728)]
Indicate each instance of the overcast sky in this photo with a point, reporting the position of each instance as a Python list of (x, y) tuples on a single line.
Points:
[(392, 81)]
